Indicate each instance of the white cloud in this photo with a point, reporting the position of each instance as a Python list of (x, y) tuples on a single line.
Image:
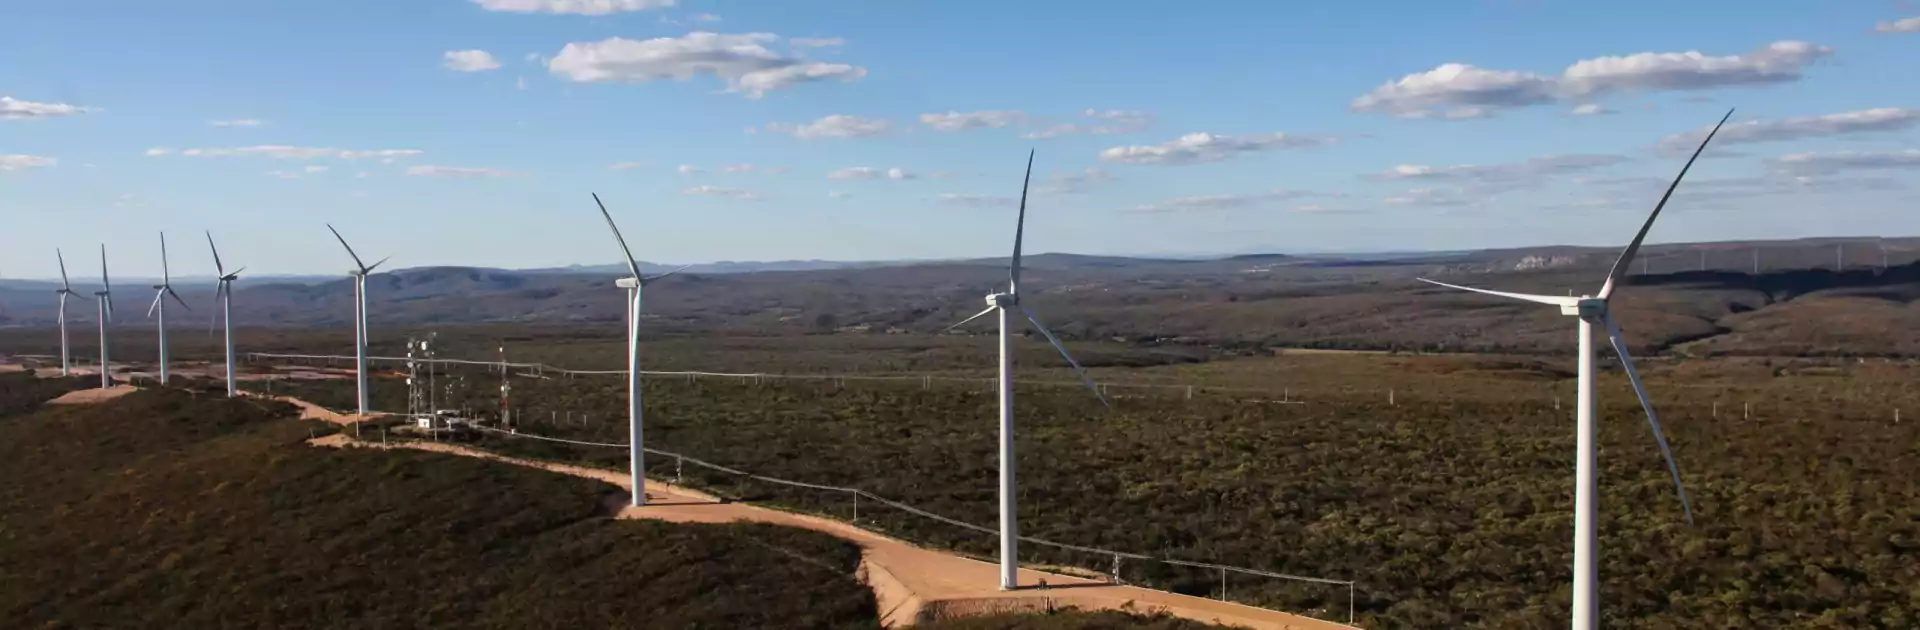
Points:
[(1195, 148), (430, 170), (1797, 128), (158, 151), (17, 162), (838, 194), (1529, 171), (1591, 109), (1458, 91), (753, 168), (315, 169), (1110, 121), (985, 201), (1902, 25), (283, 174), (628, 166), (1835, 162), (293, 153), (575, 7), (239, 122), (1435, 197), (362, 175), (835, 126), (985, 119), (689, 169), (12, 108), (519, 83), (1225, 202), (704, 18), (817, 42), (868, 172), (1063, 183), (742, 61), (716, 191), (469, 61)]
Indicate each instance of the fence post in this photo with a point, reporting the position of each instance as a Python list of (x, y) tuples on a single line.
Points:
[(926, 383), (856, 507), (1116, 570), (1189, 397), (677, 463), (1390, 397), (1716, 409), (1746, 411), (1349, 603), (1223, 584)]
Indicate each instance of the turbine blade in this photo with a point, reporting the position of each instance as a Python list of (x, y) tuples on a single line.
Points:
[(157, 296), (975, 316), (236, 273), (176, 298), (1019, 231), (63, 269), (1556, 300), (104, 284), (1653, 420), (376, 264), (216, 254), (1626, 256), (1063, 352), (632, 265), (214, 319), (343, 243), (109, 297), (166, 273), (648, 281)]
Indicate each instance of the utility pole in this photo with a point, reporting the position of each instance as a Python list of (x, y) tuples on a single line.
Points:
[(1756, 261), (1703, 260)]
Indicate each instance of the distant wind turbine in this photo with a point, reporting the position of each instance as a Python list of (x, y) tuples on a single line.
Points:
[(103, 299), (66, 289), (633, 283), (224, 295), (1008, 304), (360, 335), (163, 291), (1594, 310)]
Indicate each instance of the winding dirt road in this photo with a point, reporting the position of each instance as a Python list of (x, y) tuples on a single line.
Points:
[(911, 583)]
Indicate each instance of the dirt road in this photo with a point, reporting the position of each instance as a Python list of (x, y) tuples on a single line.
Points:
[(910, 582)]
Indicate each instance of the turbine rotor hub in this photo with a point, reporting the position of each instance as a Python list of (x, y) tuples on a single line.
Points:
[(1589, 308)]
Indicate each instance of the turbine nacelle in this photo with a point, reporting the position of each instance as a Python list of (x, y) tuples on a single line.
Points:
[(627, 283), (1003, 300), (1588, 308)]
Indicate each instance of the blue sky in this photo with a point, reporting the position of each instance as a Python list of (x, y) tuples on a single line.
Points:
[(1332, 126)]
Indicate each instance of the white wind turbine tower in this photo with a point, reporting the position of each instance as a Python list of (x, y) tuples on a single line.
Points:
[(359, 320), (161, 292), (636, 445), (1594, 310), (1008, 304), (224, 293), (66, 289), (103, 299)]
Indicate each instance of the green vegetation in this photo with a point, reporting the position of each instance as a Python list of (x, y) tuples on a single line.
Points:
[(166, 509), (1451, 507)]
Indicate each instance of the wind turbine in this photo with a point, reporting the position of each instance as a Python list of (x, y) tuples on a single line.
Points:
[(636, 451), (1594, 310), (359, 319), (66, 289), (1008, 304), (161, 292), (224, 294), (103, 299)]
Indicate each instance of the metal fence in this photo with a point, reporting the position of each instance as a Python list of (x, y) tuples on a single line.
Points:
[(1283, 396), (857, 493)]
